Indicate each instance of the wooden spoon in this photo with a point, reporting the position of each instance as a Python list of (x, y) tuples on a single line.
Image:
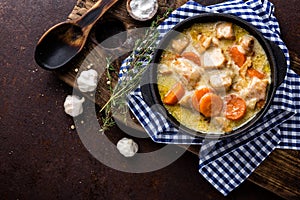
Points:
[(65, 40)]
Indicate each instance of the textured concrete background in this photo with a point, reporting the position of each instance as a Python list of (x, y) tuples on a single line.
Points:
[(41, 157)]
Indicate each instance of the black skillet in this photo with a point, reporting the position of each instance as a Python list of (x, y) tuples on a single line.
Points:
[(274, 53)]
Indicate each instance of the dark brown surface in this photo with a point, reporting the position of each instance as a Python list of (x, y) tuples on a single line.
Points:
[(42, 158), (283, 181)]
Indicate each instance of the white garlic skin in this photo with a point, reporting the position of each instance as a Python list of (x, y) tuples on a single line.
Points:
[(127, 147), (87, 80), (73, 105)]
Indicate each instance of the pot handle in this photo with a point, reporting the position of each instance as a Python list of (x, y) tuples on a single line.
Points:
[(280, 62)]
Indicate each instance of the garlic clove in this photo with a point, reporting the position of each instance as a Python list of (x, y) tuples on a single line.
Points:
[(87, 80), (73, 105), (127, 147)]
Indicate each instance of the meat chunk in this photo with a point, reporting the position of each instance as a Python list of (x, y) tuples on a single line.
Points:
[(247, 43), (239, 84), (255, 92), (213, 58), (257, 89), (225, 30), (245, 66), (164, 69), (251, 103), (191, 56), (178, 45), (215, 42), (189, 74), (221, 80), (204, 42)]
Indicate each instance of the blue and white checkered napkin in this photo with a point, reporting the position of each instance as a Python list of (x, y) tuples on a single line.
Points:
[(227, 163)]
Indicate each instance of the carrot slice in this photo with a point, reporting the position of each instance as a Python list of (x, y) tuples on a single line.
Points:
[(192, 57), (174, 94), (198, 94), (235, 107), (238, 57), (211, 105), (254, 73)]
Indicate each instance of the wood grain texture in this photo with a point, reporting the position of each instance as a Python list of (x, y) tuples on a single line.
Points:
[(279, 173)]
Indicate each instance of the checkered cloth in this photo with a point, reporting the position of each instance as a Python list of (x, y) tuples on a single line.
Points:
[(227, 163)]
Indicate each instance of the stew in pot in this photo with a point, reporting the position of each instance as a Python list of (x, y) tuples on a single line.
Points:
[(213, 77)]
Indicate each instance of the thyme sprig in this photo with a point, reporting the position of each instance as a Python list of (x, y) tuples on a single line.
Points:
[(140, 59), (107, 120)]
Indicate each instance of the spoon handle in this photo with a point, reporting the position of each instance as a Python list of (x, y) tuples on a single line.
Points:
[(99, 8)]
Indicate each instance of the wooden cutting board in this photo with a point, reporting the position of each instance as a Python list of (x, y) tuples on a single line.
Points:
[(279, 173)]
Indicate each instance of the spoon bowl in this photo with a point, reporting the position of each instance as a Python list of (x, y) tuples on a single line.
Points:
[(59, 46), (65, 40)]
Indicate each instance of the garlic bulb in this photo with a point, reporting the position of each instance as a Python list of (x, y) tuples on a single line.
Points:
[(73, 105), (127, 147), (87, 80)]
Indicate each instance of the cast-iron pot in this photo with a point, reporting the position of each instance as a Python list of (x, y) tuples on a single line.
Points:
[(274, 53)]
